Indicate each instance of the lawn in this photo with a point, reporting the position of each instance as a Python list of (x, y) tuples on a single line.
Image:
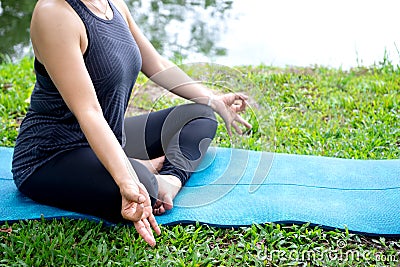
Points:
[(314, 111)]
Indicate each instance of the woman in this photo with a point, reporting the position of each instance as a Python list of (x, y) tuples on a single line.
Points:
[(76, 151)]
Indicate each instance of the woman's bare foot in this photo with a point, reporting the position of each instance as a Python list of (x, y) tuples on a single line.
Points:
[(153, 165), (168, 187)]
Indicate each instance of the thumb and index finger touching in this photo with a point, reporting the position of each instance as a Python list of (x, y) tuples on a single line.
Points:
[(137, 208), (238, 104)]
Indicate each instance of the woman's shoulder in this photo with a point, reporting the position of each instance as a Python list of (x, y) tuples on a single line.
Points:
[(54, 15), (54, 21), (56, 10)]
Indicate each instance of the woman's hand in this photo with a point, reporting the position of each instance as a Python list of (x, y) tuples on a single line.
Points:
[(136, 207), (228, 106)]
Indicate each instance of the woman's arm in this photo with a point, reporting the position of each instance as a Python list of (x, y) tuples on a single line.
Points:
[(154, 65), (168, 75), (57, 36)]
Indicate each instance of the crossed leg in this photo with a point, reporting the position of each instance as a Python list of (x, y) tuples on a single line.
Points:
[(170, 143), (168, 185)]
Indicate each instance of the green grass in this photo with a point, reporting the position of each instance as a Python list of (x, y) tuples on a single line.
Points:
[(16, 84), (315, 111)]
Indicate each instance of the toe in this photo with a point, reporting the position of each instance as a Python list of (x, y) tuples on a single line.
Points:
[(168, 206), (159, 211), (168, 203)]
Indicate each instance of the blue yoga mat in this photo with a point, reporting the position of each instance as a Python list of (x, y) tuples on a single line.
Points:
[(235, 187)]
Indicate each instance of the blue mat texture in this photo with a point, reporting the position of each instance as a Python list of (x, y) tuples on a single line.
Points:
[(235, 187)]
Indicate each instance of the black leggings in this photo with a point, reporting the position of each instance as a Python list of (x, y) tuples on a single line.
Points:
[(76, 180)]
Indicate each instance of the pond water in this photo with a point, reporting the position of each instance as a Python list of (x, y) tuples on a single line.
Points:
[(338, 33)]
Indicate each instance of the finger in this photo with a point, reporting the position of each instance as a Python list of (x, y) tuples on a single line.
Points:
[(239, 105), (236, 107), (243, 121), (237, 129), (133, 212), (245, 101), (244, 105), (135, 197), (148, 227), (154, 224), (132, 193), (228, 128), (241, 96), (143, 194), (142, 231), (141, 199)]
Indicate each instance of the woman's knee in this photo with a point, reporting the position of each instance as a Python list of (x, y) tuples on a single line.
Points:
[(199, 111), (200, 120)]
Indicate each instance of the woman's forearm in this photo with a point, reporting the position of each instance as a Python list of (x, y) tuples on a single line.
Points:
[(178, 82), (106, 147)]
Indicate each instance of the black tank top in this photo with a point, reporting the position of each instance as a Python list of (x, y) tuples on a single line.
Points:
[(113, 61)]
